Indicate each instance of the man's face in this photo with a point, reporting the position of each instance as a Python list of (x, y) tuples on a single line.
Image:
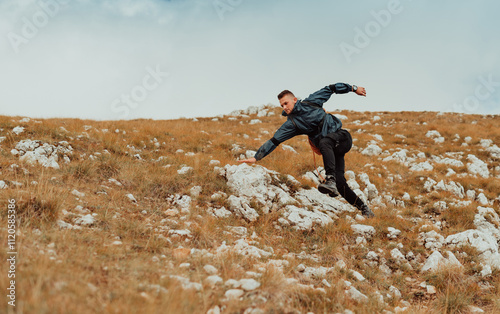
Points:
[(287, 102)]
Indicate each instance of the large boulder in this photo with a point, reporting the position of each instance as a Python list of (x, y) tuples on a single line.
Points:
[(256, 185), (485, 243)]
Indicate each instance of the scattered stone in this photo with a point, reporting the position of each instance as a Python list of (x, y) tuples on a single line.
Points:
[(211, 270), (213, 280), (186, 284), (435, 136), (172, 212), (232, 283), (18, 130), (431, 289), (356, 295), (363, 230), (78, 194), (456, 188), (219, 212), (87, 220), (326, 283), (195, 191), (423, 166), (183, 202), (234, 294), (214, 310), (114, 181), (185, 170), (448, 161), (249, 284), (357, 275), (398, 256), (475, 309), (393, 233), (372, 150), (481, 198), (436, 261), (395, 292), (494, 151), (64, 225), (34, 152), (477, 167), (486, 271), (214, 163), (243, 248), (241, 207), (131, 198), (303, 219)]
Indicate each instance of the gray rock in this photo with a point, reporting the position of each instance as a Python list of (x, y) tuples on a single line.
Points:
[(213, 280), (249, 284), (363, 230), (356, 295), (210, 269), (477, 167), (393, 233), (436, 261), (372, 150), (234, 294)]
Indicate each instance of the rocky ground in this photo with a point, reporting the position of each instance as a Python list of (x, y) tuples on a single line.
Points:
[(158, 216)]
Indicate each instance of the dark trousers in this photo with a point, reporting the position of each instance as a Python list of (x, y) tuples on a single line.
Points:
[(333, 147)]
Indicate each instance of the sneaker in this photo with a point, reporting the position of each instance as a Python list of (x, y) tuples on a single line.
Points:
[(329, 186), (366, 211)]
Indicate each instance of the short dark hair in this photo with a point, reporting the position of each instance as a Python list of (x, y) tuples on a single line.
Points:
[(284, 93)]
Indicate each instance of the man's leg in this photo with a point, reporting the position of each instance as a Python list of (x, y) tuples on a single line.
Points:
[(327, 146), (342, 185), (346, 191)]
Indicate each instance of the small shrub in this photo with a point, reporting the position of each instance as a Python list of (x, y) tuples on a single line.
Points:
[(108, 168), (84, 170), (39, 210), (456, 290)]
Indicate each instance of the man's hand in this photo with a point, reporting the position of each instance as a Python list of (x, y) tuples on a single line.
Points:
[(248, 161), (361, 91)]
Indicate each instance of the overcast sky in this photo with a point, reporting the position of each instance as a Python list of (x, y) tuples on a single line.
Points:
[(127, 59)]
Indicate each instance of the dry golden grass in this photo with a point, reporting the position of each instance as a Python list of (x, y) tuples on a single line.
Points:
[(81, 271)]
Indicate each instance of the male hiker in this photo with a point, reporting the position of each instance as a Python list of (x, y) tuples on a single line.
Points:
[(324, 131)]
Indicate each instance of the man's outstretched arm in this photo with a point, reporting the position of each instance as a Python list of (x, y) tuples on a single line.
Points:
[(285, 132), (322, 96)]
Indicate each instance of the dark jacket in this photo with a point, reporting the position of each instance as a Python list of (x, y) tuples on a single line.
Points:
[(307, 117)]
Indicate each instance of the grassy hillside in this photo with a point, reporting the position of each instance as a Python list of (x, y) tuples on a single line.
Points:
[(108, 231)]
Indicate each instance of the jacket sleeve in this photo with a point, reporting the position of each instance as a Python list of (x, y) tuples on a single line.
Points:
[(322, 96), (285, 132), (340, 88)]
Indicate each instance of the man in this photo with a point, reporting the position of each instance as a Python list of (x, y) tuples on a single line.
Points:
[(324, 131)]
